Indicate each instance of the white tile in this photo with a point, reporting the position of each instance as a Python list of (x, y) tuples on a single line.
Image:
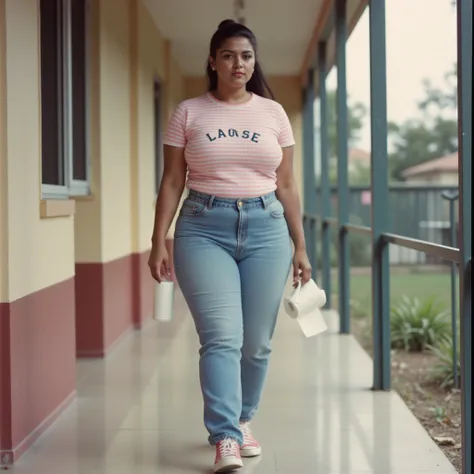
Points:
[(140, 411)]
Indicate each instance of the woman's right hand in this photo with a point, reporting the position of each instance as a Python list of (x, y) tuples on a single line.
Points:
[(159, 263)]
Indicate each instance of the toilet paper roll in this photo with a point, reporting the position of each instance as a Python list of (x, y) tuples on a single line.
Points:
[(163, 303), (304, 305)]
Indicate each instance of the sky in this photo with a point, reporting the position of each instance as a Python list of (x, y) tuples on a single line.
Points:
[(421, 43)]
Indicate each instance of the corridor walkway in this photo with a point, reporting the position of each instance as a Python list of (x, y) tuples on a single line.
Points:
[(139, 412)]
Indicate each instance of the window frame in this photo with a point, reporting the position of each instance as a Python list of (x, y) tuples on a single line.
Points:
[(71, 187)]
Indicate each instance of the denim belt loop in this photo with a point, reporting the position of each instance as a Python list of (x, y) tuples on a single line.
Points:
[(264, 201), (210, 202)]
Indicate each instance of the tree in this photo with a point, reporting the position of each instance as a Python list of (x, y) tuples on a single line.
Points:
[(431, 136), (356, 113), (438, 100), (360, 175)]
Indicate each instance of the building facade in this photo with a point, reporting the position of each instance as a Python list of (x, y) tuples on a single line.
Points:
[(86, 89)]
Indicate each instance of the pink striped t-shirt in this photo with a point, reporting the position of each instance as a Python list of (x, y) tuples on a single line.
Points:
[(231, 151)]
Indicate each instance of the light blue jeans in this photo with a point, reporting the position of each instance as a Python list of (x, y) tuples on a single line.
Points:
[(232, 260)]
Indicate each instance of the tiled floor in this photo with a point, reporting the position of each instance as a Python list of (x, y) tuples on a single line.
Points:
[(139, 412)]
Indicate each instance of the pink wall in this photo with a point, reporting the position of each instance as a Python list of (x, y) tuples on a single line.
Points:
[(38, 366)]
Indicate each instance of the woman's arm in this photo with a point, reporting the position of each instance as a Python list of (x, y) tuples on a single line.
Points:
[(287, 192), (171, 190), (169, 195)]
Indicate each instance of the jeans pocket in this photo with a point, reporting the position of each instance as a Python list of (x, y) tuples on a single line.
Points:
[(276, 209), (192, 208)]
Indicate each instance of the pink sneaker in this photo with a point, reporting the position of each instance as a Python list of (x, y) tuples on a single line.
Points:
[(227, 456), (250, 446)]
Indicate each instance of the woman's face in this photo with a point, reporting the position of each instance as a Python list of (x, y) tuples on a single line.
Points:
[(234, 62)]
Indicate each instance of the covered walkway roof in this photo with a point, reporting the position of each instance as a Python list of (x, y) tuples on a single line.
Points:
[(288, 32)]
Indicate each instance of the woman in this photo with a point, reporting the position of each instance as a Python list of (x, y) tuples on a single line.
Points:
[(232, 247)]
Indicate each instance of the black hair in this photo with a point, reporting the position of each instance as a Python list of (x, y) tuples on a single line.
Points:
[(231, 29)]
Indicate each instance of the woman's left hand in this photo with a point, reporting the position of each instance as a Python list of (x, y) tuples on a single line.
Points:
[(301, 267)]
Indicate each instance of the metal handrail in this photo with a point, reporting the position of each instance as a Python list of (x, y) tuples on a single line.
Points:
[(332, 221), (402, 186), (312, 217), (437, 250), (360, 229), (445, 252)]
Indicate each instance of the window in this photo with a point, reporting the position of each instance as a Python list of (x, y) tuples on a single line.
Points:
[(64, 98), (158, 136)]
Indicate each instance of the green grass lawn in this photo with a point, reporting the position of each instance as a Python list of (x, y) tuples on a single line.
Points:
[(422, 285)]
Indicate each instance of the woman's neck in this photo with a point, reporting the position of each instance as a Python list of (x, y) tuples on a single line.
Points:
[(232, 96)]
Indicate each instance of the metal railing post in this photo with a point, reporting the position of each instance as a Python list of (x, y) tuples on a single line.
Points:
[(452, 197), (308, 167), (325, 185), (380, 197), (464, 34), (342, 162)]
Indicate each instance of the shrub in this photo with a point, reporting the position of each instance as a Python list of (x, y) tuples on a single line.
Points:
[(332, 256), (443, 372), (359, 247), (359, 309), (416, 324)]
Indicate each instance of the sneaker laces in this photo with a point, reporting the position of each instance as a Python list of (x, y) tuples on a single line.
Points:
[(227, 447), (246, 433)]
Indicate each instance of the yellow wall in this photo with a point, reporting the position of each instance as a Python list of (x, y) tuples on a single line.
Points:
[(288, 92), (155, 62), (3, 164), (151, 65), (128, 53), (40, 251), (115, 129), (87, 225), (195, 86), (176, 87)]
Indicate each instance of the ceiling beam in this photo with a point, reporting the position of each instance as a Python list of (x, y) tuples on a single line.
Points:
[(319, 27), (322, 31)]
